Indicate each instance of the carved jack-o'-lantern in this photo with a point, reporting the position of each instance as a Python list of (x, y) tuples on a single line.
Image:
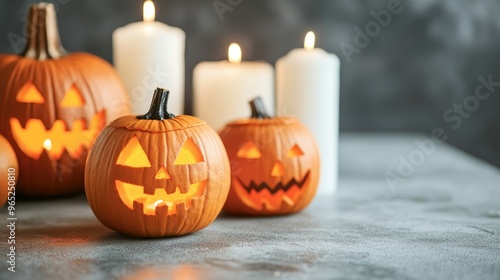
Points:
[(53, 106), (8, 170), (274, 164), (157, 175)]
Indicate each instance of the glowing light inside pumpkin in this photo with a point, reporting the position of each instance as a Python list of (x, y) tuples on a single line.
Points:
[(264, 199), (295, 151), (249, 150), (189, 153), (47, 144), (278, 169), (309, 41), (73, 98), (261, 195), (148, 11), (133, 155), (133, 196), (162, 174), (30, 94), (234, 53), (31, 139)]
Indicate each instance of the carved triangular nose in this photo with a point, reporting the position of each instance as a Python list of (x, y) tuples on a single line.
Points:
[(278, 169), (162, 174)]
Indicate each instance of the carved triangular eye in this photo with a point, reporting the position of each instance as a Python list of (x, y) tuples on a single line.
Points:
[(189, 153), (30, 94), (72, 98), (249, 150), (133, 155), (295, 151)]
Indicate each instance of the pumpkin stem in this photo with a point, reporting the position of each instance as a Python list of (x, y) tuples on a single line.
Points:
[(43, 35), (258, 109), (158, 110)]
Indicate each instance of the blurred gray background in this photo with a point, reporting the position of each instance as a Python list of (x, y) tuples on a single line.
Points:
[(425, 62)]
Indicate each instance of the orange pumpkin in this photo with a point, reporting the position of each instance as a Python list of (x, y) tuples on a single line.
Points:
[(53, 106), (157, 175), (8, 170), (274, 164)]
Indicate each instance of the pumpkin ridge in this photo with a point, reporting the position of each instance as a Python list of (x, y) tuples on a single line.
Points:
[(203, 197), (51, 68), (154, 131), (149, 130), (198, 220), (74, 60), (278, 121)]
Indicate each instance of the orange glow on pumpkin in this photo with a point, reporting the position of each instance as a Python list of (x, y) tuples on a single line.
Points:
[(182, 191), (249, 150), (189, 153), (266, 199), (162, 174), (30, 94), (32, 138), (47, 144), (73, 98), (64, 97), (133, 155), (133, 196), (295, 151), (278, 169), (283, 173)]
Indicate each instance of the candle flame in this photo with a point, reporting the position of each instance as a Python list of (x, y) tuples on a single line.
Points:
[(234, 53), (309, 41), (47, 144), (148, 11)]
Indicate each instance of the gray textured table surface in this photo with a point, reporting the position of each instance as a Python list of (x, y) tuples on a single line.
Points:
[(443, 222)]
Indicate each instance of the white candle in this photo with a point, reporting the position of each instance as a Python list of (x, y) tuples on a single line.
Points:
[(222, 89), (307, 84), (147, 55)]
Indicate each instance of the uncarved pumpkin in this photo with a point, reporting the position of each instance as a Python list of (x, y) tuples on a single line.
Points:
[(8, 170), (53, 106), (157, 175), (274, 164)]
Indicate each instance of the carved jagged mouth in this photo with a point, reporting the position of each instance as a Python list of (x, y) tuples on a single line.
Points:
[(160, 202), (277, 188), (262, 197), (32, 139)]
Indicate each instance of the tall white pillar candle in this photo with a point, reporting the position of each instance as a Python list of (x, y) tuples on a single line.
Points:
[(222, 89), (307, 84), (148, 55)]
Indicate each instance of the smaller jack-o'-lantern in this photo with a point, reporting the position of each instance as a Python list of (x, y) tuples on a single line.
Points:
[(53, 106), (8, 170), (274, 164), (158, 174)]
